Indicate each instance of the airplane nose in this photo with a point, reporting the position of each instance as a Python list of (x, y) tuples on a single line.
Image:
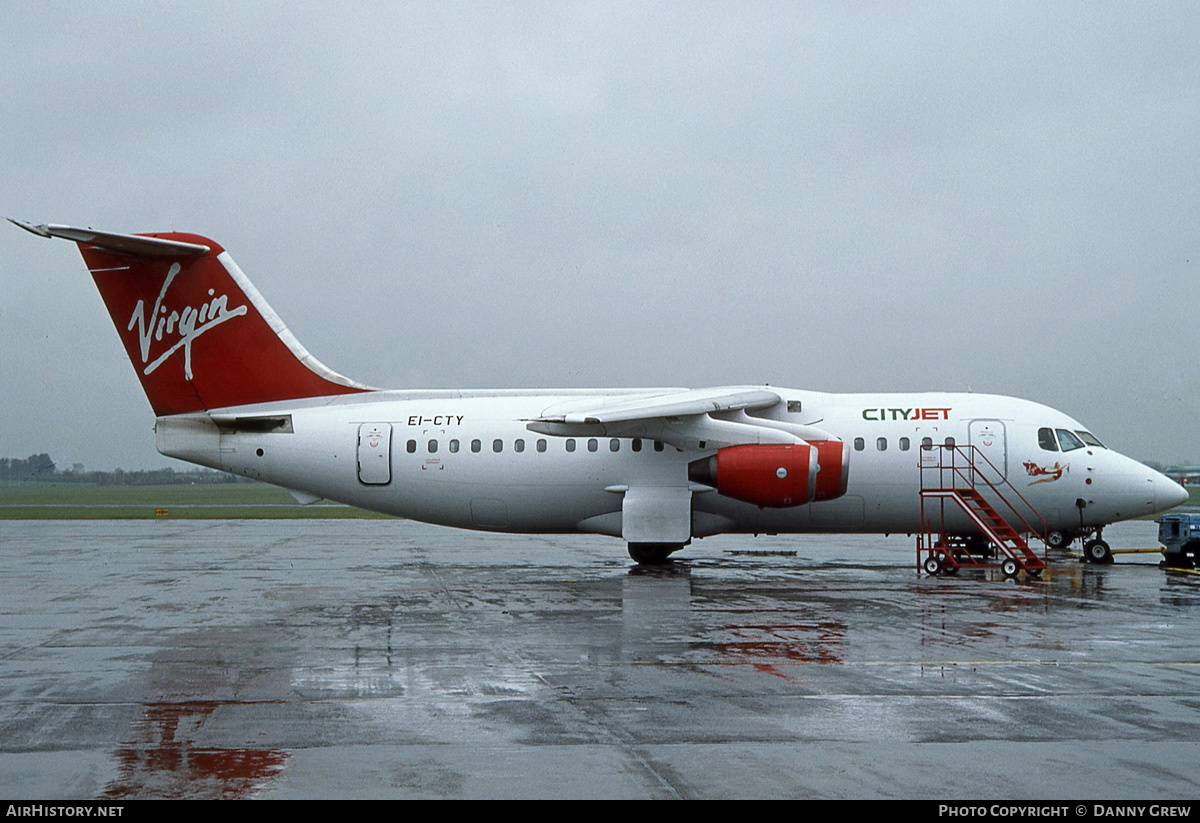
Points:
[(1168, 494)]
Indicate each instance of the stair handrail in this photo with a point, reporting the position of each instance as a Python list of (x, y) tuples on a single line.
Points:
[(957, 472)]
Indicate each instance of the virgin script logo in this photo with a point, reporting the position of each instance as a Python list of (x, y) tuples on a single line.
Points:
[(188, 324)]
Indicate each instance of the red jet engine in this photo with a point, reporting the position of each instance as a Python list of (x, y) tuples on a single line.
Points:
[(776, 475)]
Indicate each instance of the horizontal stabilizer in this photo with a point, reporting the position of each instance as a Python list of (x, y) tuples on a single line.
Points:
[(123, 243)]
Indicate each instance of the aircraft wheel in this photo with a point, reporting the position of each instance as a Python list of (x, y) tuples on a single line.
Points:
[(1097, 551), (1010, 567), (653, 554), (933, 565), (1059, 539)]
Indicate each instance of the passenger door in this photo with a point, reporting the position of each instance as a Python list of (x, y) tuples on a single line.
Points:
[(375, 454), (990, 438)]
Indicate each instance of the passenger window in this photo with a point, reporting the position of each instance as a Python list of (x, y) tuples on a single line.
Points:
[(592, 444), (636, 445), (614, 445), (411, 446), (541, 445), (454, 447), (570, 444), (1068, 441), (432, 446), (497, 445), (881, 444), (949, 442), (1046, 440), (903, 444), (658, 446), (475, 446), (519, 445), (927, 443), (859, 444)]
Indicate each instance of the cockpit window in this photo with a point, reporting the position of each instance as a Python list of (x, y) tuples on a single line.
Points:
[(1068, 441), (1046, 440), (1090, 439)]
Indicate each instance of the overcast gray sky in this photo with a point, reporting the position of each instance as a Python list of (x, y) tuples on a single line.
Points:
[(1000, 197)]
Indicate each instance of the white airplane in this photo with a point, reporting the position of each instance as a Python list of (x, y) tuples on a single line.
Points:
[(233, 389)]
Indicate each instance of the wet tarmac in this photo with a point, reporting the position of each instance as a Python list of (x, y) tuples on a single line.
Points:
[(292, 659)]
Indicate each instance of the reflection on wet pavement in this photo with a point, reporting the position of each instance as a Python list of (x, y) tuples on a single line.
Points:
[(390, 659), (164, 760)]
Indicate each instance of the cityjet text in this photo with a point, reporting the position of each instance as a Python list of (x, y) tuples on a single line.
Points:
[(906, 414)]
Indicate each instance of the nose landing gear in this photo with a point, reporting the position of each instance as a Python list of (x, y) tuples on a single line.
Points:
[(1097, 551), (1060, 539)]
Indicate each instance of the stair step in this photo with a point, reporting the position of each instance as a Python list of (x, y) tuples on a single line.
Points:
[(1007, 539)]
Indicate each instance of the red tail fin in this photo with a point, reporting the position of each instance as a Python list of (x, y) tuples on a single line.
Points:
[(199, 334)]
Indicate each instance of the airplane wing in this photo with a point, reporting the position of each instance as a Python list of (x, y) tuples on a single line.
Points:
[(677, 404), (687, 419)]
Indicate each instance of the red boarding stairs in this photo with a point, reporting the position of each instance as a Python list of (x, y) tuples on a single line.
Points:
[(964, 477)]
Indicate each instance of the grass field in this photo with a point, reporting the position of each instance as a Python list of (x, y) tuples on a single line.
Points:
[(217, 501)]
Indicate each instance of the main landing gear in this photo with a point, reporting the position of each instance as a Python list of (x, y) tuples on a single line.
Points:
[(653, 554)]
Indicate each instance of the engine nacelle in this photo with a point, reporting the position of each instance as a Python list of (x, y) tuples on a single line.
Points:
[(833, 456), (775, 475)]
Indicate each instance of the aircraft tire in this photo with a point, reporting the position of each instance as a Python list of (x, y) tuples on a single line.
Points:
[(933, 565), (1097, 551), (652, 554), (1058, 539)]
